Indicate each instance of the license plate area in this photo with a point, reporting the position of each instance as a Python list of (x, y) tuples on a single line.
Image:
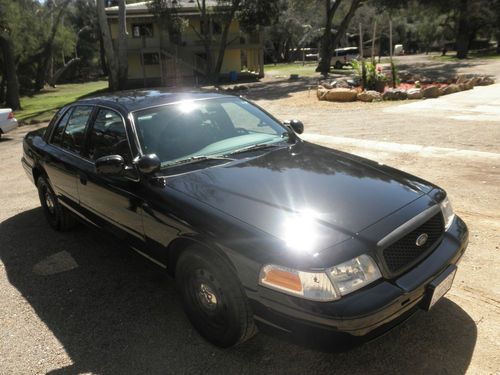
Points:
[(439, 287)]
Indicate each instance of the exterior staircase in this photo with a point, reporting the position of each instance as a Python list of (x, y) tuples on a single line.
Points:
[(184, 56)]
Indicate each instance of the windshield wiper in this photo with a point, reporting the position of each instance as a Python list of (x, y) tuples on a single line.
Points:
[(257, 146), (196, 159)]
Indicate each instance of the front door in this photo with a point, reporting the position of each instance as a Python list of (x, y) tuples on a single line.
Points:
[(111, 201), (67, 143)]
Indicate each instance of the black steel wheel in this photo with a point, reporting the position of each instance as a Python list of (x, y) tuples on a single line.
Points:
[(213, 298), (57, 216)]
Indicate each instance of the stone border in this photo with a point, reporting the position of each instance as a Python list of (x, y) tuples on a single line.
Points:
[(347, 90)]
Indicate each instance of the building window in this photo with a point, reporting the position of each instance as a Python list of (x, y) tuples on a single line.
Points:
[(151, 59), (142, 30)]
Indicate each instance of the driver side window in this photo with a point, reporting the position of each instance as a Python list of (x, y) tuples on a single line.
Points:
[(108, 136)]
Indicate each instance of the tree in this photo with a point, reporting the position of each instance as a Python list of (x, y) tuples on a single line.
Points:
[(330, 40), (9, 73), (47, 51), (12, 93), (117, 63), (468, 17)]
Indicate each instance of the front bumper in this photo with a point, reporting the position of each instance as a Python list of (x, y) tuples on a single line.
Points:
[(371, 309), (8, 126)]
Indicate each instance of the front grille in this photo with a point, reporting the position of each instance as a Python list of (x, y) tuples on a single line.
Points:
[(405, 252)]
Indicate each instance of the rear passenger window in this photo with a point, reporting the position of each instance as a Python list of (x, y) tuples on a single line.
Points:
[(108, 136), (59, 130), (74, 133)]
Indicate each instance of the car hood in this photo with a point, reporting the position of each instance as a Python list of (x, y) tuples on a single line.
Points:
[(305, 194)]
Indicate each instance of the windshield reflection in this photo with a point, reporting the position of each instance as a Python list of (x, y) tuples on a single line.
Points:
[(199, 128)]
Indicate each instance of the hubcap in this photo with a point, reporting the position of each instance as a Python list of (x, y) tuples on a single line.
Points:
[(207, 297), (49, 201)]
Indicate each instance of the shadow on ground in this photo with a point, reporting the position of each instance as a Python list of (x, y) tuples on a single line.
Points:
[(279, 88), (114, 313)]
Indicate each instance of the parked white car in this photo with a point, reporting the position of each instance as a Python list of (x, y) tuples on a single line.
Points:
[(398, 50), (343, 56), (7, 121)]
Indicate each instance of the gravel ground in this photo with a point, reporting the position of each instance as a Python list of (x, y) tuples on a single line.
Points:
[(79, 303)]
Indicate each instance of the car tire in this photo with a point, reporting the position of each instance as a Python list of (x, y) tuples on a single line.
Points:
[(338, 65), (58, 217), (213, 297)]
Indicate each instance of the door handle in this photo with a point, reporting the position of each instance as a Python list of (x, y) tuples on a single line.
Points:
[(83, 178)]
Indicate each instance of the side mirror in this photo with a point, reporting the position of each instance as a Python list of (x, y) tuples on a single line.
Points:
[(296, 125), (148, 164), (112, 165)]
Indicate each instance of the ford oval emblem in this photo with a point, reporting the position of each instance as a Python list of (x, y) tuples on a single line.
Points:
[(422, 239)]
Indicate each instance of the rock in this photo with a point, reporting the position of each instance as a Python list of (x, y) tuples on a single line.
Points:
[(369, 96), (469, 84), (321, 93), (354, 81), (415, 93), (462, 78), (450, 89), (328, 85), (341, 95), (395, 94), (430, 92), (476, 80), (342, 83), (485, 81)]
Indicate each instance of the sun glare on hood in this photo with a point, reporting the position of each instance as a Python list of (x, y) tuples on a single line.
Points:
[(299, 230)]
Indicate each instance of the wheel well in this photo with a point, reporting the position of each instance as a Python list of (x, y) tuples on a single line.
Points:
[(37, 172), (175, 250), (177, 247)]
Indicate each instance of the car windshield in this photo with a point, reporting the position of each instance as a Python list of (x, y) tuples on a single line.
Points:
[(204, 128)]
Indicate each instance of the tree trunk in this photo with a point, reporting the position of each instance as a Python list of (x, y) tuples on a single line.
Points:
[(223, 39), (206, 37), (326, 42), (109, 50), (59, 72), (122, 46), (341, 30), (2, 88), (102, 55), (463, 32), (12, 93), (46, 55)]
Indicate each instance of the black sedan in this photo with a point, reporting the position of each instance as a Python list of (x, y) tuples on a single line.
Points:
[(256, 225)]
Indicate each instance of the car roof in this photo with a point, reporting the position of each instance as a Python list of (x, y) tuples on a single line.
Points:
[(133, 100)]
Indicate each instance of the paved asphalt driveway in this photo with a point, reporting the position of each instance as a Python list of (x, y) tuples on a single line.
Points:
[(79, 303)]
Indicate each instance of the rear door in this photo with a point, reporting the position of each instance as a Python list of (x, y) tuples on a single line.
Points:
[(64, 159), (112, 201)]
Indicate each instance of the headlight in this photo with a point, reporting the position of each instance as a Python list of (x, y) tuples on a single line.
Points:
[(310, 285), (325, 286), (354, 274), (448, 213)]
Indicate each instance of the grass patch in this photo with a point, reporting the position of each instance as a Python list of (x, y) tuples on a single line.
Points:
[(41, 107), (307, 70), (472, 56)]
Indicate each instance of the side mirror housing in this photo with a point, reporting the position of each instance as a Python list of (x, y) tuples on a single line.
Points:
[(148, 164), (296, 125), (112, 165)]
